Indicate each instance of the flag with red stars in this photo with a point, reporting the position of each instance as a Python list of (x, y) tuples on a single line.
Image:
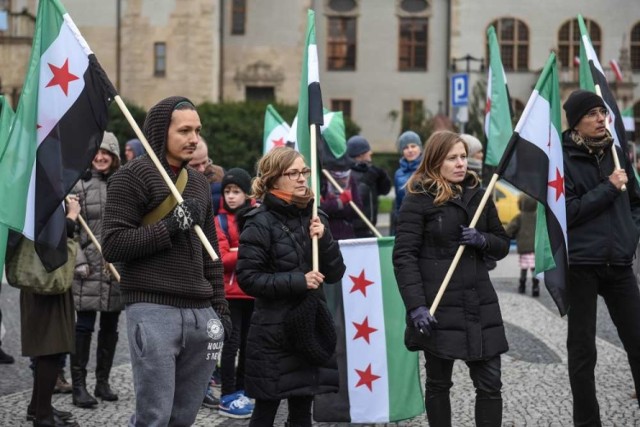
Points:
[(276, 131), (379, 377), (57, 129), (533, 162)]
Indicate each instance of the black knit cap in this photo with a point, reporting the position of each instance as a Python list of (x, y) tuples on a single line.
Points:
[(579, 103), (156, 124), (239, 177)]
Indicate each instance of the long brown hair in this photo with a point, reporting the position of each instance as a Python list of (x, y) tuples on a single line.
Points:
[(270, 168), (427, 178)]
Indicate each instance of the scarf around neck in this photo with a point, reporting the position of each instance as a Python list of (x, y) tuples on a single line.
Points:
[(300, 202), (594, 146)]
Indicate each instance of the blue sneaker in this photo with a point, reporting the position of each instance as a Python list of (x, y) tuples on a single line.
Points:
[(235, 405), (248, 402)]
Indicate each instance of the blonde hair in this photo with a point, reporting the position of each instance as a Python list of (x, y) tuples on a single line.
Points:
[(271, 167), (427, 178)]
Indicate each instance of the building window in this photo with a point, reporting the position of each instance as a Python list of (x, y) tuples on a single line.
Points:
[(513, 38), (343, 105), (569, 41), (238, 16), (341, 44), (412, 113), (414, 6), (342, 5), (635, 47), (159, 59), (413, 44), (260, 93)]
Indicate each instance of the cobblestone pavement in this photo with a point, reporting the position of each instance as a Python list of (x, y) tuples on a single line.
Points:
[(536, 387)]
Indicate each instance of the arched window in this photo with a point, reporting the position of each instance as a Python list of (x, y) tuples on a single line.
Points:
[(569, 41), (513, 38), (635, 47)]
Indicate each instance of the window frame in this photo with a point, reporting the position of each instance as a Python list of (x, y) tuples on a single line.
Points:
[(634, 47), (238, 26), (572, 43), (518, 60), (407, 62), (342, 42), (338, 104), (159, 71), (416, 106)]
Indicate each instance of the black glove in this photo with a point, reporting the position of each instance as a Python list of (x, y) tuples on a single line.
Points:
[(423, 320), (472, 237), (227, 325), (183, 217)]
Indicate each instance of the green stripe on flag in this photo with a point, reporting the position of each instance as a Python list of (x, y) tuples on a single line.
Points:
[(586, 77), (405, 393)]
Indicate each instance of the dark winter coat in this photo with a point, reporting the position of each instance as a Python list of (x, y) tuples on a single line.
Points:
[(372, 182), (99, 291), (523, 226), (274, 255), (469, 321), (603, 222), (341, 215)]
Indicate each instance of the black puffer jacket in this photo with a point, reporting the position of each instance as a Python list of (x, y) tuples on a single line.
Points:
[(274, 255), (469, 320), (602, 221)]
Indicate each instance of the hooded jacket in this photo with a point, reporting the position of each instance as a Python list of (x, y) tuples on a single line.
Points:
[(157, 267), (523, 226), (603, 222), (402, 175)]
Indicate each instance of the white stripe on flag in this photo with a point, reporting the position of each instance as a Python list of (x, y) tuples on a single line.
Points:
[(313, 75)]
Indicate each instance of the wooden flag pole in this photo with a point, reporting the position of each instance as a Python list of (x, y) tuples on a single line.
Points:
[(352, 204), (152, 155), (93, 239), (456, 259), (614, 152), (314, 187)]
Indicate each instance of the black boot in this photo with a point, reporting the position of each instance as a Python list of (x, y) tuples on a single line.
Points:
[(80, 396), (488, 411), (438, 409), (522, 287), (104, 360), (535, 289)]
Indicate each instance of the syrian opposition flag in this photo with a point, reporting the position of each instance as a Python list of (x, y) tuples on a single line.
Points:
[(497, 119), (276, 130), (592, 76), (628, 120), (57, 130), (615, 69), (533, 162), (379, 377), (6, 118)]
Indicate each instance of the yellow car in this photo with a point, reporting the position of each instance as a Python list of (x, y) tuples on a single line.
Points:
[(505, 196)]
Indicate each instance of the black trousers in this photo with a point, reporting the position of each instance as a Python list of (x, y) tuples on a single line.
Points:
[(264, 413), (619, 288), (486, 377), (232, 377)]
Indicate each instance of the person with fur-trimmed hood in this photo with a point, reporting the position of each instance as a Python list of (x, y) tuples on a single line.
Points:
[(172, 289)]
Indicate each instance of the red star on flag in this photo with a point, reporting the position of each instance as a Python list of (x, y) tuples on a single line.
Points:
[(363, 330), (360, 283), (278, 142), (366, 377), (557, 184), (487, 108), (61, 76)]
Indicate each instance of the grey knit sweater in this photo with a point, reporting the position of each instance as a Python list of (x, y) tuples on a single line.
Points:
[(157, 267)]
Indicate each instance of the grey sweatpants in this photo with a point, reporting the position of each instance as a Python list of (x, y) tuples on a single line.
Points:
[(173, 353)]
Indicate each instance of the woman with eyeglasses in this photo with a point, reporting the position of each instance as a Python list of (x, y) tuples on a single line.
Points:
[(291, 343)]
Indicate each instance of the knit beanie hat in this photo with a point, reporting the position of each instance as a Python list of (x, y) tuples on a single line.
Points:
[(239, 177), (110, 143), (156, 124), (473, 144), (136, 147), (357, 145), (579, 103), (406, 138)]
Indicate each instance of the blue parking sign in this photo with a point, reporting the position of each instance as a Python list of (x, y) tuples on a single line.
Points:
[(459, 89)]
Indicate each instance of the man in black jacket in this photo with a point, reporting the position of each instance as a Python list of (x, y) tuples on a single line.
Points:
[(372, 182), (603, 222)]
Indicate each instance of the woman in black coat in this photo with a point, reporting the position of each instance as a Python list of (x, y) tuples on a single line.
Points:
[(291, 342), (433, 221)]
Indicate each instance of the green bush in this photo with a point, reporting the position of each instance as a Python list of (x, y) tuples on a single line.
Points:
[(119, 125)]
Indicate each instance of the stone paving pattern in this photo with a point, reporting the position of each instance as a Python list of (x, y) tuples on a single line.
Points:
[(535, 381)]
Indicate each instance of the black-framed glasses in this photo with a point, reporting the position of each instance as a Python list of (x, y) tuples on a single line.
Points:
[(596, 112), (295, 175)]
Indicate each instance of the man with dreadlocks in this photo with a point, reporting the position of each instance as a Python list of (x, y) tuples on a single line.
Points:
[(172, 289), (603, 222)]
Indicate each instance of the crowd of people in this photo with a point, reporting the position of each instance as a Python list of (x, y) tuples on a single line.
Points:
[(255, 321)]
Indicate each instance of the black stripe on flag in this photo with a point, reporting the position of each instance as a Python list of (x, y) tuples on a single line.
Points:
[(526, 166), (63, 156), (316, 115)]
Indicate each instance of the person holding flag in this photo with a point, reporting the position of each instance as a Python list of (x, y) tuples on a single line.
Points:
[(603, 224), (442, 196)]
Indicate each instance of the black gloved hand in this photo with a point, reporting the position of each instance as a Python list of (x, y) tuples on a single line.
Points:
[(423, 320), (227, 325), (183, 217), (472, 237)]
